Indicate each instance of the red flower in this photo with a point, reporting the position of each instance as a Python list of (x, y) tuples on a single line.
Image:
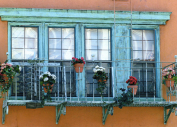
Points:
[(82, 58), (73, 58)]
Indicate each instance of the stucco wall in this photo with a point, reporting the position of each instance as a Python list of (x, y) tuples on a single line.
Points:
[(19, 116)]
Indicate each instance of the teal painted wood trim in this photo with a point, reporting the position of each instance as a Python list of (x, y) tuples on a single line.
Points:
[(94, 16), (158, 66)]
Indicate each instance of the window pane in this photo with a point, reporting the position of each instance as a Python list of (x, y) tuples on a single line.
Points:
[(91, 44), (103, 44), (148, 55), (103, 55), (17, 53), (55, 54), (30, 53), (103, 34), (25, 38), (30, 43), (30, 32), (17, 43), (137, 34), (67, 54), (148, 35), (17, 31), (137, 45), (68, 44), (91, 54), (137, 55), (67, 32), (55, 43), (54, 32), (148, 45), (91, 33)]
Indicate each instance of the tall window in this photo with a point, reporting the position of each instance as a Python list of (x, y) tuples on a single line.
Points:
[(143, 43), (61, 50), (97, 52), (24, 42)]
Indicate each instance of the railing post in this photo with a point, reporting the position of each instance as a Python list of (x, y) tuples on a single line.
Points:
[(64, 71)]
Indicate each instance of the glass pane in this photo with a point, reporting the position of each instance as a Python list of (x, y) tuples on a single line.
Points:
[(30, 32), (67, 54), (137, 55), (103, 34), (103, 55), (148, 45), (103, 44), (17, 31), (67, 32), (91, 33), (55, 43), (17, 43), (148, 35), (17, 53), (148, 55), (91, 54), (67, 43), (137, 34), (30, 53), (91, 44), (30, 43), (54, 32), (54, 54), (137, 45)]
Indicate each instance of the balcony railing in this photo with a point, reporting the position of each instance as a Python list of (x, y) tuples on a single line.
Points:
[(80, 88)]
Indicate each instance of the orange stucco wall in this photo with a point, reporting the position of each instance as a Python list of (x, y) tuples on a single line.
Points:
[(19, 116)]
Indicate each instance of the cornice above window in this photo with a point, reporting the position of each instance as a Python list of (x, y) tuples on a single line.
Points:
[(83, 16)]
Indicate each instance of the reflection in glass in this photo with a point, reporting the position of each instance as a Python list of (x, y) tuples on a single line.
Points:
[(91, 44), (103, 34), (137, 34), (67, 54), (30, 53), (90, 33), (67, 43), (54, 32), (137, 45), (55, 54), (67, 32), (17, 43), (17, 53), (17, 31), (137, 55), (55, 43), (30, 43), (91, 54), (30, 32)]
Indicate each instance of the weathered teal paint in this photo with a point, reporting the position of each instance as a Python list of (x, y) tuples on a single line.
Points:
[(81, 19), (89, 16)]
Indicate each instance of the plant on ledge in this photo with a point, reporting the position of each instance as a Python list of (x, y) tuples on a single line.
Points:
[(125, 99), (47, 80), (7, 74), (169, 76), (78, 64), (132, 81), (100, 76)]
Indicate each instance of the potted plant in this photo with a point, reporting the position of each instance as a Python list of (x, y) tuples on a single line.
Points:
[(7, 73), (100, 76), (47, 80), (125, 99), (132, 81), (78, 64), (169, 75)]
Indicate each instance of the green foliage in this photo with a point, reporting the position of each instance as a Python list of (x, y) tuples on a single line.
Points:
[(126, 98), (101, 78)]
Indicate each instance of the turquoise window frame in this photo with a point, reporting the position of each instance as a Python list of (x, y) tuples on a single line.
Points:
[(156, 29)]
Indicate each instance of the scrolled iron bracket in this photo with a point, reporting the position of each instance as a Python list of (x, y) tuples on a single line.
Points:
[(60, 109), (171, 108), (110, 110)]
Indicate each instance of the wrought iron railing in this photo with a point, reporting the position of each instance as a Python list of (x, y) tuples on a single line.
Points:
[(72, 87)]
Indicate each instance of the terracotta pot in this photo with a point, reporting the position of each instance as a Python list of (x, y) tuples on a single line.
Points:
[(78, 66), (167, 81), (46, 87), (102, 80), (134, 88)]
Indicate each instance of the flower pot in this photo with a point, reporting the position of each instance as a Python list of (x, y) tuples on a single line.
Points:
[(168, 81), (102, 80), (134, 88), (78, 66), (46, 87)]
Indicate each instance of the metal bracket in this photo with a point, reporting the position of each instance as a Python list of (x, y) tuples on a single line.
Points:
[(5, 110), (62, 110), (109, 110), (171, 110)]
